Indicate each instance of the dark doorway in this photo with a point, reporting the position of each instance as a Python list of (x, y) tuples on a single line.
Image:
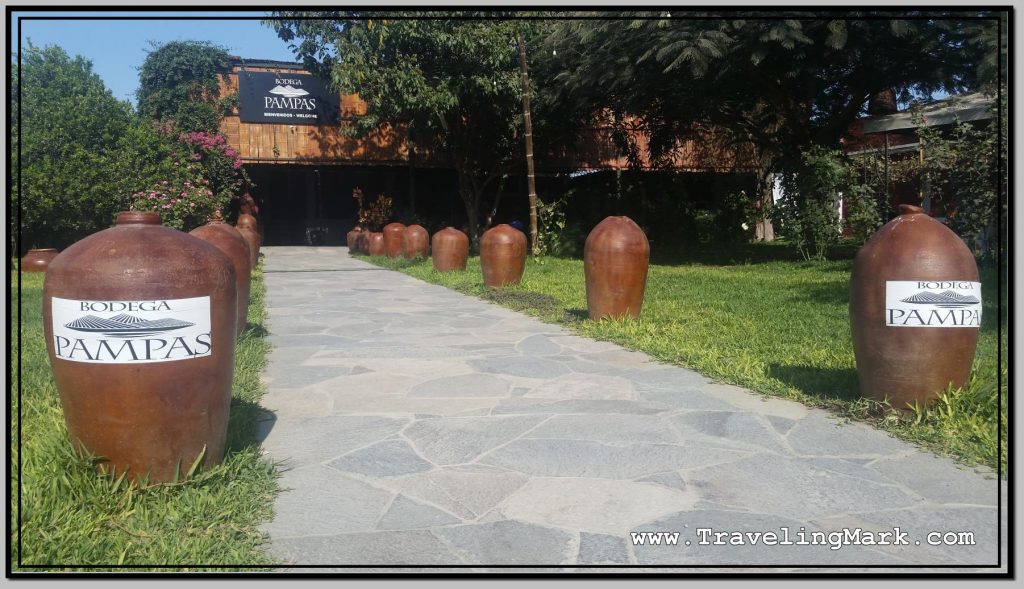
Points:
[(306, 204)]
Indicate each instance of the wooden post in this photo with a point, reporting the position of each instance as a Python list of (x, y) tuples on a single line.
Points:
[(531, 183)]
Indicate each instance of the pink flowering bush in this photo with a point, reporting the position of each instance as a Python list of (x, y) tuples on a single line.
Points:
[(220, 162), (184, 202)]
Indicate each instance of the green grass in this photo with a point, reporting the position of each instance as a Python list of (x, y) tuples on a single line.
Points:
[(758, 317), (72, 517)]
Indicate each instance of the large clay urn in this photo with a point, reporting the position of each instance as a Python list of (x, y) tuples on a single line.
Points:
[(37, 260), (249, 221), (350, 239), (415, 242), (393, 239), (502, 255), (615, 268), (449, 249), (375, 244), (252, 241), (229, 241), (915, 310), (363, 242), (140, 328)]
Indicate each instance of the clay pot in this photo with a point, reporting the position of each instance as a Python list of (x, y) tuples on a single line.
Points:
[(363, 242), (415, 242), (393, 239), (249, 221), (37, 260), (375, 244), (450, 248), (915, 310), (140, 329), (252, 240), (350, 239), (615, 268), (229, 241), (502, 255)]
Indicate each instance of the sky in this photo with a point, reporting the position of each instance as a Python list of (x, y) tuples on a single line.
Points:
[(117, 49)]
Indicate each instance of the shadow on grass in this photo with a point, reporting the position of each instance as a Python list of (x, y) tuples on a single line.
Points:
[(737, 254), (534, 303), (835, 293), (248, 425), (255, 330), (818, 382)]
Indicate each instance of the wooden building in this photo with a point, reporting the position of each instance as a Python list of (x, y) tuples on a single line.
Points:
[(288, 129)]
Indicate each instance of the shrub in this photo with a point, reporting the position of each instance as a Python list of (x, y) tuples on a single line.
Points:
[(808, 210), (183, 204), (69, 138)]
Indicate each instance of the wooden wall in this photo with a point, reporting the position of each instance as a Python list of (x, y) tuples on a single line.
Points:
[(291, 144)]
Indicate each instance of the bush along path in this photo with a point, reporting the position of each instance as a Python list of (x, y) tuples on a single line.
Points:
[(70, 518), (419, 426), (778, 326)]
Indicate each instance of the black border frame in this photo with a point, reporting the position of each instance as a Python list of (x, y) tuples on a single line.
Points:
[(1004, 12)]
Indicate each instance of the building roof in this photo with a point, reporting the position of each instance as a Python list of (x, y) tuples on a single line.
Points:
[(289, 65), (964, 107)]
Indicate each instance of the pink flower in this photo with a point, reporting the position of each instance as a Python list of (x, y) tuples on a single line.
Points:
[(165, 183), (166, 206), (197, 157), (152, 196), (187, 185)]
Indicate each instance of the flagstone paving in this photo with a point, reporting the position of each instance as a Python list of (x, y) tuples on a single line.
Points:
[(414, 425)]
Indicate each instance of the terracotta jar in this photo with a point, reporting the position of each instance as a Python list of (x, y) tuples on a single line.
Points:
[(615, 267), (37, 260), (363, 242), (140, 328), (350, 239), (915, 310), (415, 242), (393, 239), (450, 249), (502, 255), (375, 244), (229, 241), (249, 221), (252, 241)]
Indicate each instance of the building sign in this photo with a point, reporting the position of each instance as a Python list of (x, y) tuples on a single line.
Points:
[(286, 98), (128, 332), (947, 303)]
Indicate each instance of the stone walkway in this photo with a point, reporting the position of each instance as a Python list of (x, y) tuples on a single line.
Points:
[(418, 426)]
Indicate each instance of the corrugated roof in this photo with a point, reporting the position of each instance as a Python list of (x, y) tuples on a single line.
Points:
[(965, 107)]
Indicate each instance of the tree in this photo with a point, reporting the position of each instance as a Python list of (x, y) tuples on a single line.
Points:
[(71, 127), (179, 81), (778, 85), (452, 80)]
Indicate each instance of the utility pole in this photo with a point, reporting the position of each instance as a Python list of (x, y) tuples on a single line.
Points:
[(531, 183)]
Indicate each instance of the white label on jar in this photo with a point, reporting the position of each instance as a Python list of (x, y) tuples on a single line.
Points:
[(947, 303), (128, 332)]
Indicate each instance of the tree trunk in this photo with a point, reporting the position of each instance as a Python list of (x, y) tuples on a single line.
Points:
[(763, 229), (531, 183)]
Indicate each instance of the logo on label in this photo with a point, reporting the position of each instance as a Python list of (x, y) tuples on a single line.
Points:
[(150, 331), (913, 303), (288, 91)]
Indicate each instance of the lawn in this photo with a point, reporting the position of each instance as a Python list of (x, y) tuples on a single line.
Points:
[(71, 518), (758, 317)]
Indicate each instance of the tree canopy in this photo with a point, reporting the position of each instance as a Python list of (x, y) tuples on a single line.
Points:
[(69, 135), (782, 83), (179, 81), (452, 80)]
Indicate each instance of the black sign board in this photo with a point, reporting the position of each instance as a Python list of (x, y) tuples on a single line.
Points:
[(286, 98)]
